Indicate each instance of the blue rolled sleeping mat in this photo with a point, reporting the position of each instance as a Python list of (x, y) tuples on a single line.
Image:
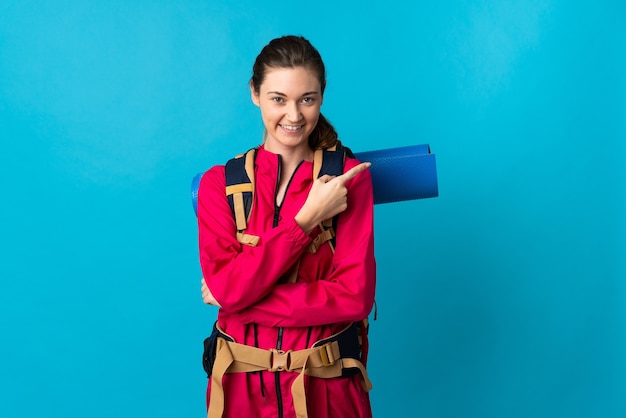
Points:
[(398, 174)]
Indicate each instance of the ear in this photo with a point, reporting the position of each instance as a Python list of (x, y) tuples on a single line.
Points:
[(254, 95)]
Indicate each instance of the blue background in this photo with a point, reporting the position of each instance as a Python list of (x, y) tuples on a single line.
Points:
[(504, 297)]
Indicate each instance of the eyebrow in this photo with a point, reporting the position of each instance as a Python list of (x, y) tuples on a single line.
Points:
[(308, 93)]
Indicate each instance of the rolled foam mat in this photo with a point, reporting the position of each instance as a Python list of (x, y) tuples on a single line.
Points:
[(398, 174), (403, 173)]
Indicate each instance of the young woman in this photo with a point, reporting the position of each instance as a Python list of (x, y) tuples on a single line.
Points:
[(288, 302)]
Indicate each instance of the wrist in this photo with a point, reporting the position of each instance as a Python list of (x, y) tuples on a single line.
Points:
[(305, 222)]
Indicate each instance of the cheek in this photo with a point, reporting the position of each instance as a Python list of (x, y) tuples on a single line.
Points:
[(268, 115), (313, 113)]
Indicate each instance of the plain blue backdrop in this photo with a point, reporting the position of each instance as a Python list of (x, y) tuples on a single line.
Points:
[(503, 297)]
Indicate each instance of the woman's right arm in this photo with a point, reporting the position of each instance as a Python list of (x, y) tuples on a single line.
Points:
[(239, 277)]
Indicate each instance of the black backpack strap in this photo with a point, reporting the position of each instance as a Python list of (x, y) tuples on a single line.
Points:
[(240, 192), (328, 161)]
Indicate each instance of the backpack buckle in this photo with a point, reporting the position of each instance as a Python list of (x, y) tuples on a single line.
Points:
[(280, 360), (326, 354)]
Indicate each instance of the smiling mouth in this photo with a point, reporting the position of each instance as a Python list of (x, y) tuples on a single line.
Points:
[(292, 128)]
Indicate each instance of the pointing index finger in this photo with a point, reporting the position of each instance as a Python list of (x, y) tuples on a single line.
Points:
[(350, 174)]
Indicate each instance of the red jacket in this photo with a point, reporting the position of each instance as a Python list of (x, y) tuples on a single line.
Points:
[(331, 290)]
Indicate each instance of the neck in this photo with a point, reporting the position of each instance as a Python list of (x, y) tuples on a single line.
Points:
[(291, 157)]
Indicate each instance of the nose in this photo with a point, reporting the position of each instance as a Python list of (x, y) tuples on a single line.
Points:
[(293, 113)]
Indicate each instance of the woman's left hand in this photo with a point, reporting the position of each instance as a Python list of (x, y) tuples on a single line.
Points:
[(327, 198), (207, 296)]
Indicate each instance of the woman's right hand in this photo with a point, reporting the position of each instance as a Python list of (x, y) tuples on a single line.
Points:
[(328, 197), (207, 296)]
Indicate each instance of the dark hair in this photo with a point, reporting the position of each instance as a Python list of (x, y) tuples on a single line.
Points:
[(291, 52)]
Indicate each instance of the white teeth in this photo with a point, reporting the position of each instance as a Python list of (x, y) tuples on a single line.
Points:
[(292, 128)]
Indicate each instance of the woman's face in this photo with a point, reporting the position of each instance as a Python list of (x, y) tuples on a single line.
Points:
[(290, 101)]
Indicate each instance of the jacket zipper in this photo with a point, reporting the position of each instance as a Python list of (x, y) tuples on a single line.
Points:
[(279, 395), (279, 340)]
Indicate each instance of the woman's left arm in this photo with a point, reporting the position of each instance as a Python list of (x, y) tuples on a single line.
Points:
[(348, 293)]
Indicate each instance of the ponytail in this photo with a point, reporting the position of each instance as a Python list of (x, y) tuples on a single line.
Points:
[(324, 135)]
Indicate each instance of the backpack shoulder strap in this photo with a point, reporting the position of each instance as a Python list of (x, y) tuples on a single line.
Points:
[(328, 161), (240, 192)]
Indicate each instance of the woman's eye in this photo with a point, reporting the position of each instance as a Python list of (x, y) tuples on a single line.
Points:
[(277, 99), (308, 100)]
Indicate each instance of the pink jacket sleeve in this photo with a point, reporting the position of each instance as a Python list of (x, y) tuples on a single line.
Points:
[(348, 294), (238, 278)]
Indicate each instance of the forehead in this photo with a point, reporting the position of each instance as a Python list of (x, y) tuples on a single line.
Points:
[(290, 81)]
